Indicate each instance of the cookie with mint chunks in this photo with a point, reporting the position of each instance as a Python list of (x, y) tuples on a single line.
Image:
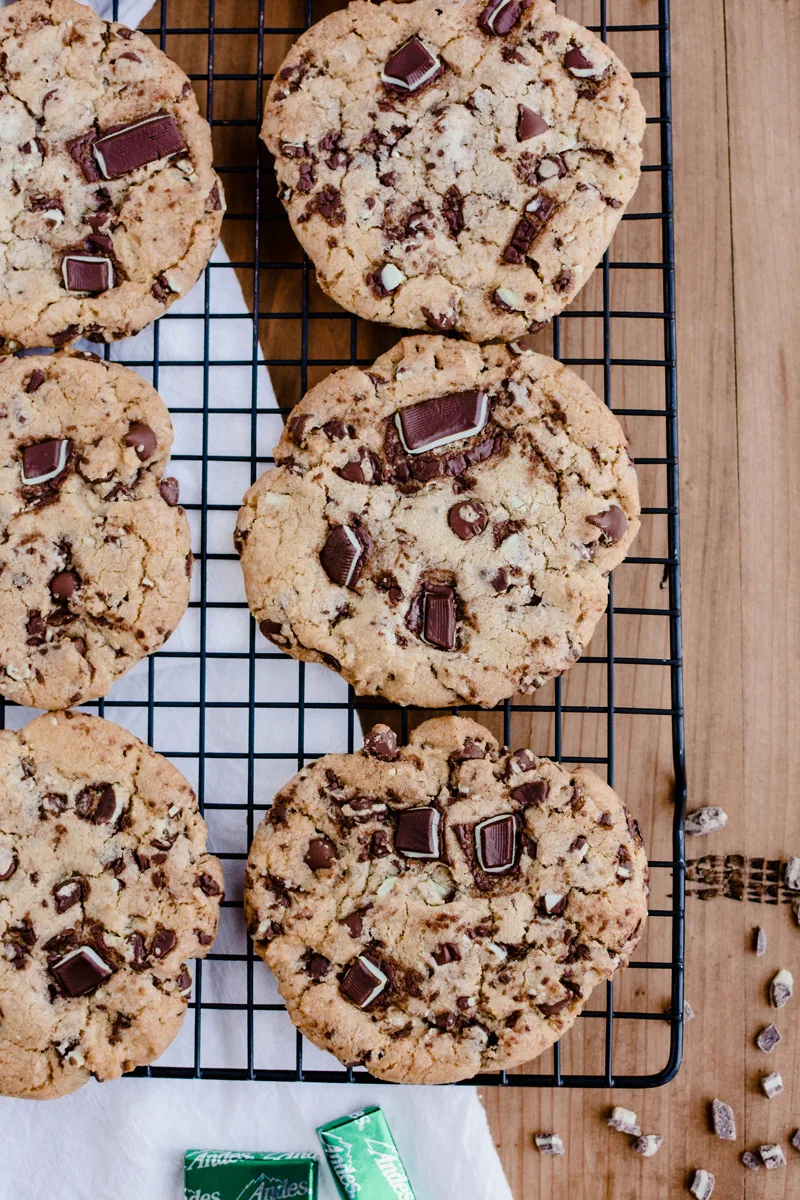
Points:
[(439, 529), (454, 168), (445, 908), (106, 890), (109, 205)]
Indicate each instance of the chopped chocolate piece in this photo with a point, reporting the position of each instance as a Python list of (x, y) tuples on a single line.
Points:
[(87, 273), (439, 616), (63, 585), (496, 843), (500, 16), (705, 820), (317, 966), (520, 762), (68, 893), (354, 923), (760, 941), (440, 322), (363, 982), (418, 833), (551, 167), (529, 123), (8, 863), (549, 1143), (781, 988), (723, 1120), (170, 490), (702, 1184), (648, 1144), (750, 1161), (143, 440), (411, 67), (453, 211), (612, 524), (467, 519), (34, 381), (207, 883), (342, 556), (80, 971), (768, 1039), (80, 148), (441, 420), (624, 1120), (321, 854), (553, 903), (139, 142), (578, 64), (44, 461), (364, 469), (446, 953), (534, 793), (164, 941), (160, 289), (771, 1156), (527, 229), (99, 804), (772, 1085), (791, 875), (552, 1010), (381, 742)]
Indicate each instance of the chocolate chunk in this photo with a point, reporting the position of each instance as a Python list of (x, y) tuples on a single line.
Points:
[(768, 1039), (440, 322), (648, 1144), (496, 843), (439, 616), (453, 211), (467, 519), (80, 971), (87, 273), (70, 892), (791, 874), (446, 953), (418, 833), (134, 145), (343, 556), (354, 923), (411, 67), (34, 381), (772, 1085), (529, 123), (612, 524), (321, 854), (379, 845), (80, 148), (44, 461), (552, 167), (170, 490), (552, 1010), (500, 16), (63, 585), (381, 742), (520, 762), (8, 863), (98, 803), (760, 941), (534, 793), (751, 1161), (160, 290), (781, 989), (207, 883), (772, 1156), (705, 820), (577, 62), (549, 1143), (499, 579), (441, 420), (143, 440), (317, 966), (364, 469), (553, 904), (65, 335), (723, 1120), (164, 941), (538, 213), (363, 982), (472, 748)]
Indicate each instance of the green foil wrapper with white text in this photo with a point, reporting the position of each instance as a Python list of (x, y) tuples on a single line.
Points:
[(245, 1175), (363, 1157)]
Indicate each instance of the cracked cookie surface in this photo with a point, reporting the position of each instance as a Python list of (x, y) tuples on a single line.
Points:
[(105, 890), (460, 169), (454, 567), (443, 908), (102, 225), (95, 554)]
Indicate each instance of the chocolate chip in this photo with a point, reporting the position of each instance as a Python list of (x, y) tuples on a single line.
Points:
[(343, 556), (500, 16), (499, 579), (137, 143), (45, 461), (317, 966), (34, 381), (163, 942), (214, 201), (354, 923), (207, 883), (365, 469), (98, 803), (66, 335), (529, 123), (418, 833), (467, 519), (273, 631), (552, 1010), (321, 854), (562, 283), (160, 289), (411, 67), (534, 793), (63, 585), (441, 420), (577, 62), (80, 971), (537, 214), (440, 322), (379, 845), (381, 742), (439, 616), (170, 490), (446, 953), (363, 982), (143, 440), (8, 863), (80, 148), (87, 273), (495, 843), (453, 211), (68, 893)]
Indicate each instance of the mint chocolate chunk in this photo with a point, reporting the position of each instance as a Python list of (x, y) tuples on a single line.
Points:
[(495, 843), (80, 971), (417, 833), (441, 420), (138, 143), (44, 461), (439, 616), (342, 555), (411, 67), (363, 982), (87, 273)]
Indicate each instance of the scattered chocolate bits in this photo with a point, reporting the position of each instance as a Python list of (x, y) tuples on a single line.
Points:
[(143, 440), (791, 874), (772, 1157), (549, 1143), (705, 820), (321, 854), (760, 941), (624, 1120), (411, 67), (441, 420), (87, 273), (772, 1085), (342, 556), (500, 16), (495, 844), (381, 742), (612, 524), (781, 988), (768, 1039), (418, 833), (134, 145), (467, 519), (80, 971), (702, 1184), (723, 1120), (648, 1144), (363, 982), (529, 124), (44, 461)]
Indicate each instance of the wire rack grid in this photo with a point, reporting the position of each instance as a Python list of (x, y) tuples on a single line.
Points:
[(620, 709)]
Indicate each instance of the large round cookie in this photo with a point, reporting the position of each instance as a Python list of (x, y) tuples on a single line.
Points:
[(454, 169), (94, 550), (440, 528), (109, 206), (446, 908), (105, 889)]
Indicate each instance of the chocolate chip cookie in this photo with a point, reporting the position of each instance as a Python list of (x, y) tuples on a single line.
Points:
[(440, 528), (454, 171), (105, 889), (445, 908), (109, 206), (95, 552)]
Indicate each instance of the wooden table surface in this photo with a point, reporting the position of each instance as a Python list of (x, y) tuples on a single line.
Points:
[(736, 103)]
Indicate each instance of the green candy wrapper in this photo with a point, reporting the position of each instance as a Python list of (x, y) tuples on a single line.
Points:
[(363, 1157), (240, 1175)]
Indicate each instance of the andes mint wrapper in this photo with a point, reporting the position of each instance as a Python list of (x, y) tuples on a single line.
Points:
[(241, 1175), (364, 1159)]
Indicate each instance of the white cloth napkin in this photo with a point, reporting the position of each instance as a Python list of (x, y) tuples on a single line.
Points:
[(125, 1140)]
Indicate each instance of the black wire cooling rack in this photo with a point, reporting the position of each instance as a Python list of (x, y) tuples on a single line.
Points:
[(621, 706)]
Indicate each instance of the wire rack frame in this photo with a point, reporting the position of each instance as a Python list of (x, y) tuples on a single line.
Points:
[(673, 866)]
